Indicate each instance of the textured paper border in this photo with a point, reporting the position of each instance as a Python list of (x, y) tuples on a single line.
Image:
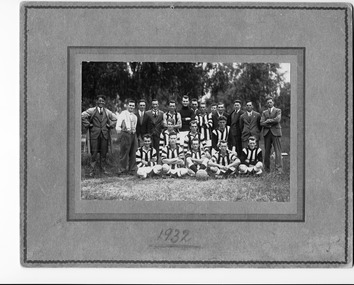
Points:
[(347, 138)]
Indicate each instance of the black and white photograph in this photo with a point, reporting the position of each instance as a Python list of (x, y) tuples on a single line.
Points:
[(185, 135), (185, 131)]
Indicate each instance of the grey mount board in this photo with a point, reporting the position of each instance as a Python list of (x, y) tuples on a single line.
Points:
[(60, 230)]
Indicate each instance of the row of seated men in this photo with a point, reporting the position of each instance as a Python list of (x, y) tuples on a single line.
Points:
[(194, 155)]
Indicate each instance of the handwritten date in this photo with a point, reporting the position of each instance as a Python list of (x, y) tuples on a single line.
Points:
[(174, 235)]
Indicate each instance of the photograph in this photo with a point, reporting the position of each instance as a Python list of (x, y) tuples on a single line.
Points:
[(185, 131)]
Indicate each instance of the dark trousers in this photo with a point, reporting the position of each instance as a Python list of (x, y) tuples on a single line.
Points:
[(156, 145), (127, 153), (99, 145), (237, 142), (269, 141)]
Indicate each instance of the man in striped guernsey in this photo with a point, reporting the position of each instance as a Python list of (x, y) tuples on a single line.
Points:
[(251, 158), (196, 158), (224, 163), (174, 115), (220, 134), (164, 136), (193, 134), (173, 158), (146, 158), (205, 124)]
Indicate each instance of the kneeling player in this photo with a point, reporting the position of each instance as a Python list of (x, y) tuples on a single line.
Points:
[(196, 158), (173, 158), (146, 158), (251, 158), (224, 163)]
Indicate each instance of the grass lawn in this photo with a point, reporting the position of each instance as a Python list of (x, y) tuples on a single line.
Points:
[(270, 187)]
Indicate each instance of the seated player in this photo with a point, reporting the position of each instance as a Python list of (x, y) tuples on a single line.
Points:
[(146, 158), (221, 133), (172, 157), (164, 136), (224, 163), (196, 158), (192, 135), (251, 158)]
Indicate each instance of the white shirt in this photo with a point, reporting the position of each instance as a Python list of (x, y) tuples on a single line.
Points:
[(249, 113), (271, 110), (129, 119)]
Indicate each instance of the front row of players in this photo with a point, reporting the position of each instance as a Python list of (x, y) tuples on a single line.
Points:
[(197, 160)]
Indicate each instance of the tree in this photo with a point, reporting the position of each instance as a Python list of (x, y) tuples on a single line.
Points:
[(256, 81)]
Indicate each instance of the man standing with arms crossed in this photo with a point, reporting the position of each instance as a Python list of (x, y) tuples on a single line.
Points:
[(270, 121)]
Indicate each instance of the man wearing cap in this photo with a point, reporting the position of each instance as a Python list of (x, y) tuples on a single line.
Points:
[(98, 122), (233, 120), (270, 121)]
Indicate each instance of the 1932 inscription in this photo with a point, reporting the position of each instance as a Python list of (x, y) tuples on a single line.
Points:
[(174, 235)]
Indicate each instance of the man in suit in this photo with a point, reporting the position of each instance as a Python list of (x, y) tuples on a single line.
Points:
[(270, 121), (233, 120), (126, 127), (98, 121), (250, 124), (142, 124), (219, 112), (155, 125)]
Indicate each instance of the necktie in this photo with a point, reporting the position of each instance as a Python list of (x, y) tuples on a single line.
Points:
[(141, 117)]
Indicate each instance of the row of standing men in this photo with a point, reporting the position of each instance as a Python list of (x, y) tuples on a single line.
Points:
[(234, 128)]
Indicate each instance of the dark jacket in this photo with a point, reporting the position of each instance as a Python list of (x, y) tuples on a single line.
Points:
[(187, 115), (155, 123), (98, 123), (142, 125)]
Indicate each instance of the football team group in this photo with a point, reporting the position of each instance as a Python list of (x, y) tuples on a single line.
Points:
[(191, 141)]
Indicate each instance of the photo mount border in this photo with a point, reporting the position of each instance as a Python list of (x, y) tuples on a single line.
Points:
[(24, 141), (299, 216)]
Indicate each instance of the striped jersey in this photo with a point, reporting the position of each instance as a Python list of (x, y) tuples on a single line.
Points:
[(205, 124), (226, 159), (199, 154), (187, 145), (218, 135), (168, 152), (253, 155), (146, 155), (164, 137), (175, 117)]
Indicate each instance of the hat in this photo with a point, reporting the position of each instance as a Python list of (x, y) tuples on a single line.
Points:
[(238, 101)]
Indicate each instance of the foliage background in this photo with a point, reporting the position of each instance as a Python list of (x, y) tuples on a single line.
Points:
[(211, 82)]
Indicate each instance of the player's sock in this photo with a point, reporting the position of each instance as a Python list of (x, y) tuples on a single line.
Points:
[(194, 168)]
